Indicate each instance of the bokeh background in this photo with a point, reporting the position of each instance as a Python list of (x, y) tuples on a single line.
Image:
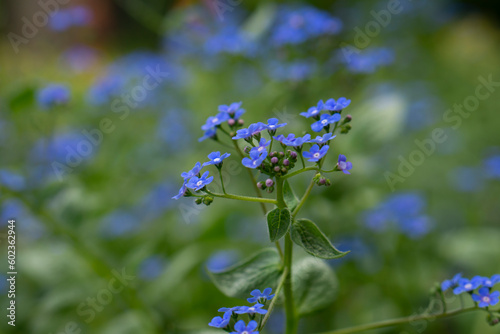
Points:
[(112, 211)]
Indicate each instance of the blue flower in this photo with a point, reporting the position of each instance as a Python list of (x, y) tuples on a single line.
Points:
[(216, 158), (12, 180), (465, 285), (106, 88), (487, 281), (255, 160), (252, 130), (485, 298), (338, 105), (262, 145), (343, 164), (315, 153), (242, 328), (182, 191), (209, 134), (264, 295), (369, 60), (213, 121), (233, 109), (53, 95), (193, 172), (314, 111), (198, 183), (451, 283), (492, 166), (290, 140), (257, 308), (324, 121), (272, 124), (322, 140), (220, 322), (229, 310)]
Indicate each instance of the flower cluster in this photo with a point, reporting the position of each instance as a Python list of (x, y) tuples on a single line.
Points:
[(483, 297), (227, 113), (231, 314)]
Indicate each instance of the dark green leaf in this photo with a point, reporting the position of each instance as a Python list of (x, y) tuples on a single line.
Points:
[(314, 284), (308, 236), (290, 198), (257, 272), (278, 222)]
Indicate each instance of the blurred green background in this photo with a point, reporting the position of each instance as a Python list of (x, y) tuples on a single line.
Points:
[(112, 211)]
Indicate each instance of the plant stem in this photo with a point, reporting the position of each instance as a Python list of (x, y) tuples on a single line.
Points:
[(243, 198), (303, 199), (300, 171), (276, 295), (400, 321), (222, 181)]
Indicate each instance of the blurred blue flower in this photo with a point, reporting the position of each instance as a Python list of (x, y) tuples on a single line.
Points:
[(255, 160), (213, 121), (198, 183), (255, 309), (257, 295), (220, 322), (216, 158), (295, 71), (156, 202), (12, 180), (105, 89), (61, 20), (242, 328), (467, 179), (343, 164), (324, 121), (231, 40), (489, 281), (369, 60), (451, 283), (172, 128), (222, 260), (152, 267), (193, 172), (314, 111), (182, 191), (53, 95), (485, 298), (209, 134), (79, 58), (338, 105), (492, 166), (293, 141), (466, 285), (415, 227), (80, 15), (29, 226), (323, 139), (119, 223), (315, 153)]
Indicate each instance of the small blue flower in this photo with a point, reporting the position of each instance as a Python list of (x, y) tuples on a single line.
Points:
[(290, 140), (229, 310), (198, 183), (193, 172), (213, 121), (255, 160), (264, 295), (182, 191), (314, 111), (343, 164), (242, 328), (209, 134), (220, 322), (216, 158), (315, 153), (252, 130), (53, 95), (487, 281), (324, 121), (465, 285), (272, 124), (262, 145), (233, 109), (257, 308), (322, 140), (338, 105), (485, 298)]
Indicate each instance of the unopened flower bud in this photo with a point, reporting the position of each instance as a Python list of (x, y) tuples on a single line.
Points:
[(286, 162), (274, 160), (260, 185), (277, 169), (247, 149), (273, 153), (198, 201), (322, 181), (241, 122), (207, 200), (293, 155), (231, 122), (348, 118), (281, 154), (284, 170), (269, 182)]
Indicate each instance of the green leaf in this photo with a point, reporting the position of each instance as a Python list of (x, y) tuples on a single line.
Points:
[(314, 285), (278, 222), (308, 236), (290, 199), (257, 272)]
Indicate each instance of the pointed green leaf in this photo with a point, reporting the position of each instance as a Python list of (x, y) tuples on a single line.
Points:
[(308, 236), (278, 222), (260, 271), (314, 285), (290, 199)]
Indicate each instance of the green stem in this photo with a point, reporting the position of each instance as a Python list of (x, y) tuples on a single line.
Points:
[(276, 295), (401, 321), (303, 199), (242, 198), (222, 181), (300, 171)]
